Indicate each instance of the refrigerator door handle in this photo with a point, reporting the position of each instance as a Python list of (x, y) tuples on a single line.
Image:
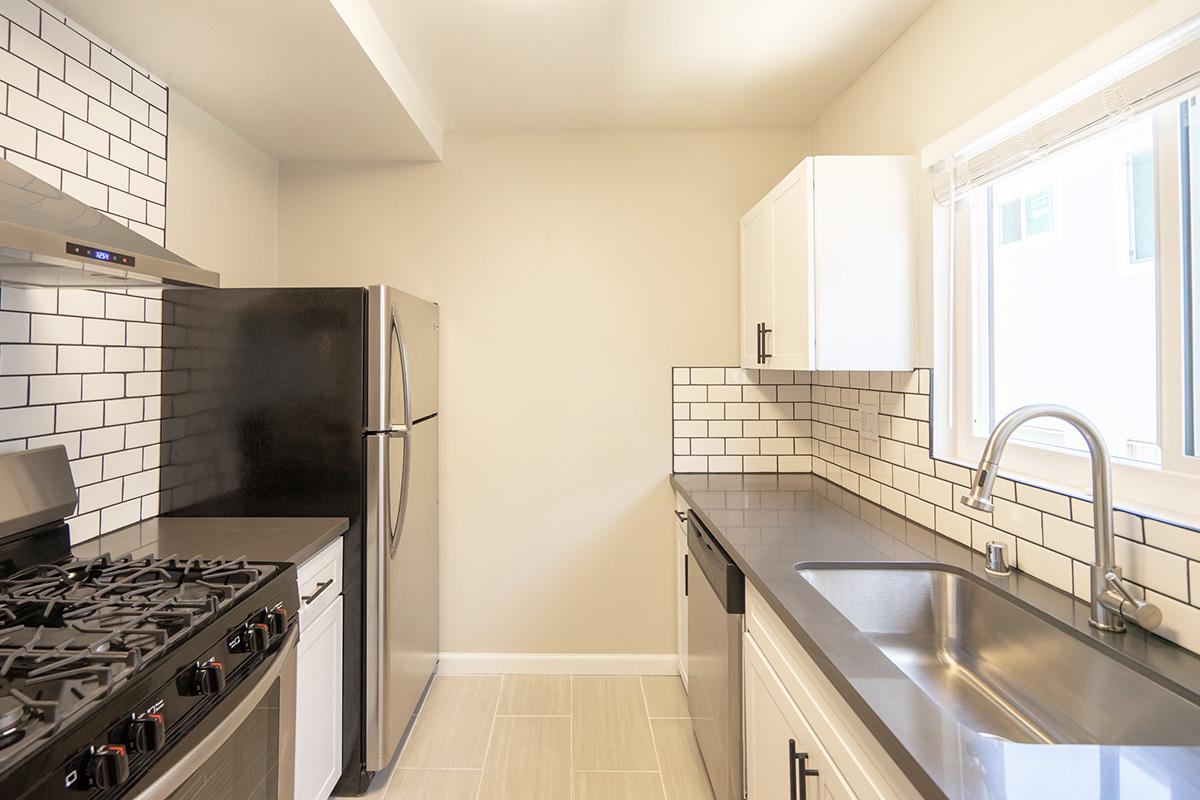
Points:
[(404, 382), (397, 530)]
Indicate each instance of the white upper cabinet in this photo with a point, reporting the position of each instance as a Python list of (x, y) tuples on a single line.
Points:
[(828, 267)]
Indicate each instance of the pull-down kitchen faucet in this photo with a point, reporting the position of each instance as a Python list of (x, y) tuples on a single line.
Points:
[(1112, 602)]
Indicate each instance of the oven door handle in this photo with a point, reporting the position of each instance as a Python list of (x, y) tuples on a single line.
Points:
[(179, 772)]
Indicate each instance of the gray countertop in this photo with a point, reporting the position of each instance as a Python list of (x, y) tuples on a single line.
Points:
[(292, 539), (768, 523)]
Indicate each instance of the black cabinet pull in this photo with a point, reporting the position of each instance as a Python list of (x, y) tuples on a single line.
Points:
[(685, 575), (322, 586), (798, 772), (765, 354), (758, 343)]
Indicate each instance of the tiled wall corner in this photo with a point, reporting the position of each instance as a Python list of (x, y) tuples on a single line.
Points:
[(82, 117), (1049, 534), (83, 368), (739, 420)]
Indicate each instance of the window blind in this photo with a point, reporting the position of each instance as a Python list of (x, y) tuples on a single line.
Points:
[(1161, 70)]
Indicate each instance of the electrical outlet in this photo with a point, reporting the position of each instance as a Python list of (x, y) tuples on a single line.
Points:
[(869, 427)]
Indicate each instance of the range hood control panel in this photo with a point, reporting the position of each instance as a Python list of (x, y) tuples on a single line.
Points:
[(96, 254)]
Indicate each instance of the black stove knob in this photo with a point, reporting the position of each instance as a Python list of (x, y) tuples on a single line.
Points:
[(256, 637), (208, 678), (108, 766), (277, 620), (147, 733)]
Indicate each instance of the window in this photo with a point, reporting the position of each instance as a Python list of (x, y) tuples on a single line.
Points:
[(1074, 279), (1026, 216), (1061, 318)]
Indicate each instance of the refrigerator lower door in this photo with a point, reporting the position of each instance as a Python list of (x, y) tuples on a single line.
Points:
[(402, 582)]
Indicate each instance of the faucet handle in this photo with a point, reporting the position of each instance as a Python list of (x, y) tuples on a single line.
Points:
[(995, 560), (1119, 600)]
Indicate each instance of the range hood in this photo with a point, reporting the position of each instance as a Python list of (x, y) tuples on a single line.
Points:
[(48, 238)]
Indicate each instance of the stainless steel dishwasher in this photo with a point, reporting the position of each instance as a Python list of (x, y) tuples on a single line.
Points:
[(716, 603)]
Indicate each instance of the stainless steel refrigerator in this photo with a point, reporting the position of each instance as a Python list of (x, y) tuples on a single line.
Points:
[(322, 402)]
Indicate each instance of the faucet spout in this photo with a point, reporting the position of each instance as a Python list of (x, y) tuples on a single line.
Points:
[(1112, 602)]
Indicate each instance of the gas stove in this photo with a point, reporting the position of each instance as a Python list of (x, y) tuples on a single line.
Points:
[(114, 668), (71, 634)]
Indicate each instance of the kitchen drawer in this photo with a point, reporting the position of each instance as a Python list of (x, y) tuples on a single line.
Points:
[(320, 581)]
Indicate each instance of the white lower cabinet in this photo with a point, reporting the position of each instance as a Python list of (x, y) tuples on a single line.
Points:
[(681, 587), (319, 704), (783, 757), (790, 706)]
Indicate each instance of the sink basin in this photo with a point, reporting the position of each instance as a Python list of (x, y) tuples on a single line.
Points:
[(998, 667)]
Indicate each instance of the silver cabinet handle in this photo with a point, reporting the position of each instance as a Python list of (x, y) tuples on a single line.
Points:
[(322, 586)]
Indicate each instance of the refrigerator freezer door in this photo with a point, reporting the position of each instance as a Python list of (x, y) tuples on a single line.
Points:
[(402, 582), (402, 358)]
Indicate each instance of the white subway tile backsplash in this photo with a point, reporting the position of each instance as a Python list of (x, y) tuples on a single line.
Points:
[(103, 332), (14, 391), (58, 34), (1048, 534), (14, 327), (102, 440), (42, 301), (53, 329), (21, 12), (112, 67), (78, 416), (62, 120), (103, 386), (82, 358), (62, 95), (121, 151), (92, 192), (50, 389), (123, 411), (125, 462), (105, 116), (27, 359), (88, 81), (130, 105), (26, 421), (119, 306), (18, 72), (32, 111), (33, 49), (148, 139)]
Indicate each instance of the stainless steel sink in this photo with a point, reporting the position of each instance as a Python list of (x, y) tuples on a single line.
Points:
[(998, 667)]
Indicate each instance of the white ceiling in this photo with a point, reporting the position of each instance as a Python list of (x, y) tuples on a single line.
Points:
[(288, 75), (380, 79), (537, 64)]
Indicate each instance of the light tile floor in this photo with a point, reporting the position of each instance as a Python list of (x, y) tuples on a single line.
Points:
[(551, 736)]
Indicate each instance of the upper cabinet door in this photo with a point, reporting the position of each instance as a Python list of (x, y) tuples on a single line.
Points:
[(756, 284), (830, 272), (791, 340)]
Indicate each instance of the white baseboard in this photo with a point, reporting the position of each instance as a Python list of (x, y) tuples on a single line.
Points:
[(558, 664)]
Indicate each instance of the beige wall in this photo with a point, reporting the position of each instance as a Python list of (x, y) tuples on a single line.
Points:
[(222, 198), (956, 60), (573, 269)]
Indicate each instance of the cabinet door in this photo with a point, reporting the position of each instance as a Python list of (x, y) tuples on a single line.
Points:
[(790, 342), (319, 705), (774, 730), (757, 281), (681, 599)]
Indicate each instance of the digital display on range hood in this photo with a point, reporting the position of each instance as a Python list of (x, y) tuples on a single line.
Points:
[(96, 254)]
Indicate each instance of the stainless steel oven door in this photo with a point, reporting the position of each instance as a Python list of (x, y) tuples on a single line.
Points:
[(250, 754)]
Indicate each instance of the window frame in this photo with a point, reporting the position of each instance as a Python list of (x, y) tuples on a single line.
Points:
[(1173, 485)]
